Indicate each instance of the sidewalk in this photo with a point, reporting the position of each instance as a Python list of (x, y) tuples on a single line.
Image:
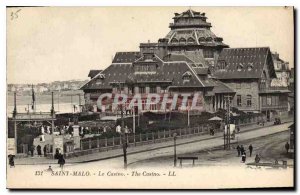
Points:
[(133, 150)]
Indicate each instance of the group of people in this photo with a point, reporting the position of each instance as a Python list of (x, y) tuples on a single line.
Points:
[(242, 152)]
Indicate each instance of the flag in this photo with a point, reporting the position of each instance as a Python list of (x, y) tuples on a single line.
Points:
[(33, 98)]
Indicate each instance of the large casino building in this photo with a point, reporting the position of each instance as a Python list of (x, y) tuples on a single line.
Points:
[(191, 58)]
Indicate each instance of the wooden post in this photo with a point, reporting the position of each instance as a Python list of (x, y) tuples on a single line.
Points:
[(146, 136), (106, 142), (134, 139), (120, 140), (164, 134), (90, 144), (141, 138), (98, 142), (113, 141), (153, 139), (180, 132)]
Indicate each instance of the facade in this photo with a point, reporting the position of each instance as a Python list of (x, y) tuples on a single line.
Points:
[(282, 72), (249, 71), (191, 58)]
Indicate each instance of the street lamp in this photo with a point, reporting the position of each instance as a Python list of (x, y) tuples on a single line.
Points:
[(175, 158)]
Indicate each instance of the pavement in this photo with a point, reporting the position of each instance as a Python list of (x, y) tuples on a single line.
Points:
[(184, 145)]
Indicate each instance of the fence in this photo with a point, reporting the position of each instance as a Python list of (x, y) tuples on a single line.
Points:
[(92, 145)]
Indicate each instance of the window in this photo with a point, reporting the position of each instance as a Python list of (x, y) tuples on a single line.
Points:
[(222, 65), (191, 40), (182, 41), (240, 67), (174, 40), (269, 101), (239, 100), (153, 89), (249, 100), (201, 39), (142, 90), (208, 53), (239, 85), (187, 76)]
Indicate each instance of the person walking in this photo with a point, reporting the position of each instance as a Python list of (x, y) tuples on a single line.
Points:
[(45, 151), (39, 150), (250, 149), (287, 147), (61, 160), (11, 160), (244, 157), (238, 148), (257, 158), (242, 149)]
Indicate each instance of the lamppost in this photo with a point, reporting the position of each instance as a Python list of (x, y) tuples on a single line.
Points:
[(124, 140), (175, 158)]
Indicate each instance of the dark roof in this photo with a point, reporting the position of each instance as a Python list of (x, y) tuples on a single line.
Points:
[(93, 73), (176, 57), (245, 57), (201, 71), (126, 57), (190, 13), (166, 72)]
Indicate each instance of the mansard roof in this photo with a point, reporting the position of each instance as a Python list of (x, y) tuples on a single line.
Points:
[(126, 57), (245, 63), (171, 72), (93, 73)]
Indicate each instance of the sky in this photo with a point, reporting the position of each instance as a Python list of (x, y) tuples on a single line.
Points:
[(46, 44)]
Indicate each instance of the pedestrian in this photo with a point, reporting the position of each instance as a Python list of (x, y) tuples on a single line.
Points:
[(257, 158), (11, 160), (244, 157), (61, 160), (49, 169), (39, 150), (32, 150), (250, 149), (242, 149), (287, 147), (238, 129), (238, 148), (45, 151)]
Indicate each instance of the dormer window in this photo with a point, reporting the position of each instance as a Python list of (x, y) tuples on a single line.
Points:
[(187, 76), (250, 66), (182, 41), (240, 66), (191, 40), (174, 41), (222, 65), (201, 39), (209, 39)]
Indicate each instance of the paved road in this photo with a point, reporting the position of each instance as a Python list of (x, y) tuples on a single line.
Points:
[(186, 148)]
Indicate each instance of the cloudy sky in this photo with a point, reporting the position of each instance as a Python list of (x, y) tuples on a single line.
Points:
[(64, 43)]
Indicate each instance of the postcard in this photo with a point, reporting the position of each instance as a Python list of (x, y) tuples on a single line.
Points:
[(150, 97)]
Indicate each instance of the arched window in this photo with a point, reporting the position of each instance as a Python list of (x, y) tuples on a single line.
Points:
[(201, 39), (208, 39), (174, 40), (182, 41), (191, 40)]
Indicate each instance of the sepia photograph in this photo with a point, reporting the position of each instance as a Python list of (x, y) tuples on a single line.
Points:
[(175, 97)]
